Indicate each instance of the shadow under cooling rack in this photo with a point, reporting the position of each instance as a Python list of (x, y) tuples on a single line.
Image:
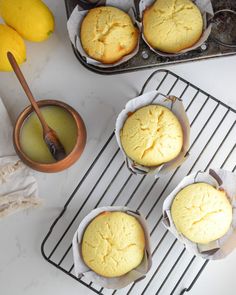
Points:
[(108, 182)]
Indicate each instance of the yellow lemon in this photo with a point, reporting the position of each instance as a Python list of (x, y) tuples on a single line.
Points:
[(11, 41), (32, 19)]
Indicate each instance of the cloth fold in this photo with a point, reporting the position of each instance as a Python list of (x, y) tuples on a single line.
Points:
[(18, 187)]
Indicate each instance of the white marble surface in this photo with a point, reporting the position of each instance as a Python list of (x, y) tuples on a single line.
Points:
[(53, 72)]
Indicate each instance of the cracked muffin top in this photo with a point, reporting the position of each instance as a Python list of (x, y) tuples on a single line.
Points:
[(172, 25), (152, 135), (201, 213), (113, 244), (108, 34)]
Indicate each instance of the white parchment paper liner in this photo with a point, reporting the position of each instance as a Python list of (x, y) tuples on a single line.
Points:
[(220, 248), (206, 9), (176, 106), (118, 282), (74, 23)]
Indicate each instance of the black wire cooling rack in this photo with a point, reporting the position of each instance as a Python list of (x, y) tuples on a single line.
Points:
[(107, 181)]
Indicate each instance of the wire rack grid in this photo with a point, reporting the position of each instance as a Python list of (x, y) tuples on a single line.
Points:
[(107, 181)]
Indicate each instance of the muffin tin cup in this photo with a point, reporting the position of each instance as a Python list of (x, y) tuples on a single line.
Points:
[(74, 24), (81, 269), (174, 104), (220, 179), (206, 10)]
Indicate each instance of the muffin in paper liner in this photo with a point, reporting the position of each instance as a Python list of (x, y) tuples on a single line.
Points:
[(206, 9), (174, 104), (220, 179), (74, 23), (81, 269)]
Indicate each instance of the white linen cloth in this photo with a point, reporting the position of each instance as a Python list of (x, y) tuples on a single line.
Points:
[(18, 188)]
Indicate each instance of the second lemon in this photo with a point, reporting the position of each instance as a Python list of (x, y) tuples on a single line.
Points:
[(11, 41)]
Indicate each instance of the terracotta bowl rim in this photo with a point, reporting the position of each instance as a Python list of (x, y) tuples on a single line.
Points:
[(71, 158)]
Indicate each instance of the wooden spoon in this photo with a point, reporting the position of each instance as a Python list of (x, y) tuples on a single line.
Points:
[(50, 137)]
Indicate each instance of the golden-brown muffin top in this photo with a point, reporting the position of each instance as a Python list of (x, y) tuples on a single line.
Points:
[(152, 135), (113, 244), (201, 213), (107, 34), (172, 25)]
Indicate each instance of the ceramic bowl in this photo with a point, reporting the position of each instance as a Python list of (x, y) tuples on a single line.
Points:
[(71, 158)]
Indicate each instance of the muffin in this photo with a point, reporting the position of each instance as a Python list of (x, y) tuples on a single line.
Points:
[(152, 135), (108, 34), (113, 244), (201, 213), (172, 25)]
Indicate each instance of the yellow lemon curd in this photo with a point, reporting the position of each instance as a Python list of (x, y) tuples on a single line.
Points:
[(201, 213), (113, 244), (152, 135), (31, 136)]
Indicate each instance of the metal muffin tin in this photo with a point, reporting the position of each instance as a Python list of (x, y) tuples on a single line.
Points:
[(222, 41)]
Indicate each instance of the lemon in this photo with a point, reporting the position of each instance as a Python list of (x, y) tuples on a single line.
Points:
[(32, 19), (11, 41)]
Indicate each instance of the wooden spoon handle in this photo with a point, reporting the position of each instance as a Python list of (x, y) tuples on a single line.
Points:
[(27, 90)]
